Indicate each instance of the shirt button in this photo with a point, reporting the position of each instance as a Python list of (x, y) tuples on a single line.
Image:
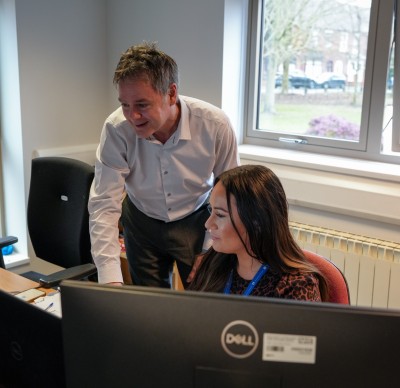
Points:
[(169, 194), (169, 209), (165, 172)]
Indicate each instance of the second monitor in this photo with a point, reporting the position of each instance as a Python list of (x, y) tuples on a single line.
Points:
[(144, 337)]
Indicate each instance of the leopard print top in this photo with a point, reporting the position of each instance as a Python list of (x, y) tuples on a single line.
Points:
[(287, 286)]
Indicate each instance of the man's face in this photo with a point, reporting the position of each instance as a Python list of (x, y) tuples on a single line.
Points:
[(149, 112)]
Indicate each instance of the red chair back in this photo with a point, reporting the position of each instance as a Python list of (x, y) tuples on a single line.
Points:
[(337, 284)]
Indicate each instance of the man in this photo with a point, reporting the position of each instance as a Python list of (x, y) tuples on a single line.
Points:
[(158, 155)]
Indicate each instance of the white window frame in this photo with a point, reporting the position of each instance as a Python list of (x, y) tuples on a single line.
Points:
[(368, 148), (396, 83)]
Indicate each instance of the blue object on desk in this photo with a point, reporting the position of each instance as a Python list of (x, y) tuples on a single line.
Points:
[(7, 250)]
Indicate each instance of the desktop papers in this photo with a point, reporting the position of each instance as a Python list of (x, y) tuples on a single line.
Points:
[(50, 303)]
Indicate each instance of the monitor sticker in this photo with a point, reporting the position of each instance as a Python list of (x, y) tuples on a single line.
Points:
[(289, 348)]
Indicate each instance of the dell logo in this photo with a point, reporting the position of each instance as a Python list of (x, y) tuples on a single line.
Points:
[(239, 339), (245, 340)]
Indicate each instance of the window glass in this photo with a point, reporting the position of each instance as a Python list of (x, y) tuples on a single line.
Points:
[(387, 129), (391, 120), (312, 66)]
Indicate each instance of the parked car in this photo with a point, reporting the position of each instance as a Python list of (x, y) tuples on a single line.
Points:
[(330, 81), (297, 79)]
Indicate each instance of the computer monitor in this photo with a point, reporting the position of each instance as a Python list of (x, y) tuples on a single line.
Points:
[(145, 337), (31, 350)]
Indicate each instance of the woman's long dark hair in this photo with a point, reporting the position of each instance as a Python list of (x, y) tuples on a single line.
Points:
[(263, 209)]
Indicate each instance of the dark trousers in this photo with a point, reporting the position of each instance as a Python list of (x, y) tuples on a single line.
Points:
[(152, 246)]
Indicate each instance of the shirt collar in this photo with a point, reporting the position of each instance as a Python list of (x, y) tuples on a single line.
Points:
[(183, 130)]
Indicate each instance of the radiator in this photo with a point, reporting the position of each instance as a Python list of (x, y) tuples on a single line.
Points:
[(370, 266)]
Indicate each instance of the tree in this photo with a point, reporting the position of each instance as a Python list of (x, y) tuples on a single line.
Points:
[(288, 27)]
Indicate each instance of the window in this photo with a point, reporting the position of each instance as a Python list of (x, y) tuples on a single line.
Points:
[(322, 77)]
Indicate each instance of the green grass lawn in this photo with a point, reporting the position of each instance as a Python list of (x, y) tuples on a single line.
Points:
[(295, 118)]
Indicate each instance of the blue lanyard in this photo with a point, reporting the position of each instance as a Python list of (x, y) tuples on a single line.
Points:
[(260, 273)]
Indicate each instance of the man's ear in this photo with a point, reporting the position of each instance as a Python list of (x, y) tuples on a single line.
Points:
[(173, 93)]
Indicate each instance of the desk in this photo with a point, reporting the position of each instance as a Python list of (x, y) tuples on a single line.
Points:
[(14, 283)]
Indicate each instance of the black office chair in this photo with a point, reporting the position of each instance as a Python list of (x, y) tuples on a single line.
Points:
[(58, 219)]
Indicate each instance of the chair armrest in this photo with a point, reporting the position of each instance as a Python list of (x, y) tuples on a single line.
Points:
[(8, 240), (77, 272)]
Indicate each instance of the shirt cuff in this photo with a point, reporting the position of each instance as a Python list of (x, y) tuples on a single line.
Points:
[(110, 274)]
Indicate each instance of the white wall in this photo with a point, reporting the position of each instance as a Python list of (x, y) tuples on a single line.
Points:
[(191, 31), (54, 65), (60, 61)]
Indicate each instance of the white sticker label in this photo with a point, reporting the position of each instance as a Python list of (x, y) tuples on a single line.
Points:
[(289, 348)]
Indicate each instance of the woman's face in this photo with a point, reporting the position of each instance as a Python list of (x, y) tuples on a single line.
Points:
[(219, 224)]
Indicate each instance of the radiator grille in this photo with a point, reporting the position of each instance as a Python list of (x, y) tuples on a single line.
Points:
[(371, 266)]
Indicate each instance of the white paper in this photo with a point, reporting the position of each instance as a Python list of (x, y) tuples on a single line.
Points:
[(50, 303)]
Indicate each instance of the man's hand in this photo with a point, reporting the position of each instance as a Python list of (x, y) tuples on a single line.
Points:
[(196, 264)]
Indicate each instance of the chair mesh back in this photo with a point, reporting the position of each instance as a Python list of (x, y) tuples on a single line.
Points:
[(58, 219)]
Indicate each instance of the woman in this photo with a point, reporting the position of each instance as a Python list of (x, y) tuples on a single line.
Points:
[(253, 251)]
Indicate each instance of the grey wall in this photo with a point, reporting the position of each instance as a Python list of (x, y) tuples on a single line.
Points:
[(54, 60), (62, 63), (190, 31), (59, 57)]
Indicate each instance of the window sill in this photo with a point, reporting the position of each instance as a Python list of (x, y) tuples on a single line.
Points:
[(363, 189), (15, 260), (342, 165)]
